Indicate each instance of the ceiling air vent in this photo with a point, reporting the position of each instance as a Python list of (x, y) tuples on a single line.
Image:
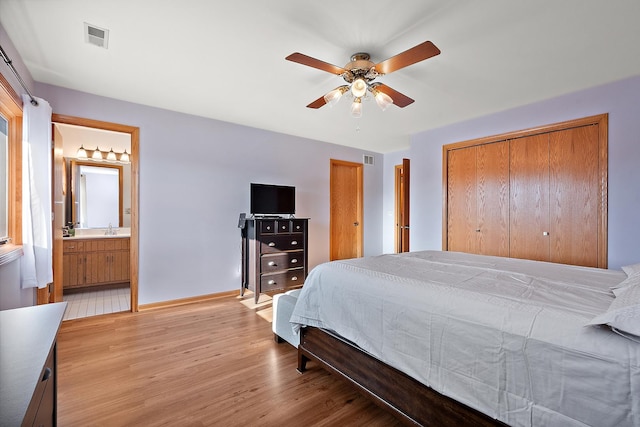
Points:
[(368, 160), (96, 36)]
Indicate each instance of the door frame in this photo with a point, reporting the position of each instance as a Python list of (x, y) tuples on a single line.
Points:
[(359, 203), (134, 133)]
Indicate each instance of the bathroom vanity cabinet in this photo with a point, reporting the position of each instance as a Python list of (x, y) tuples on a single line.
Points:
[(95, 261)]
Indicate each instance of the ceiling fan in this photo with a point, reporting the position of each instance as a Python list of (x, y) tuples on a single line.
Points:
[(360, 74)]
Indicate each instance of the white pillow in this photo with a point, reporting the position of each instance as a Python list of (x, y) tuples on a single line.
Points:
[(631, 269), (623, 314)]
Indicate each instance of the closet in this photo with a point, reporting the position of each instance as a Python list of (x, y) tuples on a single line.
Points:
[(537, 194)]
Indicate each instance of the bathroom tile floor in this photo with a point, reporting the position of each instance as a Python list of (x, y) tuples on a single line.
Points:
[(94, 302)]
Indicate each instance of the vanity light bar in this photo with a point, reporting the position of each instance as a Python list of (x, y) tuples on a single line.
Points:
[(98, 154)]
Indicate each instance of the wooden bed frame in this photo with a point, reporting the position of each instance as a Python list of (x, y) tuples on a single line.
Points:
[(411, 401)]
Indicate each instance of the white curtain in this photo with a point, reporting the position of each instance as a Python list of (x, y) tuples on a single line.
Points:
[(37, 261)]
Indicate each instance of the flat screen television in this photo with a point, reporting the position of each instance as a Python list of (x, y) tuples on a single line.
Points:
[(269, 199)]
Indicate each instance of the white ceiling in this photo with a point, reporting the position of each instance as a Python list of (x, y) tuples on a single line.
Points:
[(225, 59)]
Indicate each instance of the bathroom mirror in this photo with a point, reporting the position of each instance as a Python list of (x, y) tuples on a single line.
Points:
[(96, 194)]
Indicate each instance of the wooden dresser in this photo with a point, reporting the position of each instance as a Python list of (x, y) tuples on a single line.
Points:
[(28, 371), (274, 254), (95, 261)]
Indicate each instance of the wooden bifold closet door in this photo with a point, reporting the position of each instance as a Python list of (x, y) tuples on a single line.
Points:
[(538, 194), (478, 189)]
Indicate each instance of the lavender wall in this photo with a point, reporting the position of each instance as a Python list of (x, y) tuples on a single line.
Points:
[(194, 181), (619, 99), (17, 63)]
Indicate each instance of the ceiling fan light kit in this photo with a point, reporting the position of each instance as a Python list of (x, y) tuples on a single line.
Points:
[(335, 95), (356, 108), (382, 99), (360, 74)]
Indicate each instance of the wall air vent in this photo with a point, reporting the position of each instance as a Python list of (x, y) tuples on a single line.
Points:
[(96, 36), (368, 160)]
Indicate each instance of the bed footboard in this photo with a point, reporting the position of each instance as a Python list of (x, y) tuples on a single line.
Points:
[(410, 400)]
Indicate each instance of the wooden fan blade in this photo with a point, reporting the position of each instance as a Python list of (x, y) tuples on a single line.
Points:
[(317, 103), (398, 99), (416, 54), (303, 59)]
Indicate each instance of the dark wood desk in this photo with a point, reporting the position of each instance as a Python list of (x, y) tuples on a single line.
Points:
[(28, 364)]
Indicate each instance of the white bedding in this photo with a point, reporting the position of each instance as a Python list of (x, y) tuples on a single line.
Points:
[(504, 336)]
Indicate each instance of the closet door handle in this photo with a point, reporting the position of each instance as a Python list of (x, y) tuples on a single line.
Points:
[(545, 233)]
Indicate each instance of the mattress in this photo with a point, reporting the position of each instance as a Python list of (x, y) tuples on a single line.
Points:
[(507, 337)]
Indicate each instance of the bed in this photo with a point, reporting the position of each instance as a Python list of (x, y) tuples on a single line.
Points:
[(446, 338)]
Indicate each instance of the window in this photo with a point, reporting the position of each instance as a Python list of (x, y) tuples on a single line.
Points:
[(10, 167)]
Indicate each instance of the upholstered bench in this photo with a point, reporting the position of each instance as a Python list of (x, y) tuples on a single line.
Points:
[(282, 308)]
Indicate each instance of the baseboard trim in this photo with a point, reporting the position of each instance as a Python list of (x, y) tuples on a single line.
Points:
[(183, 301)]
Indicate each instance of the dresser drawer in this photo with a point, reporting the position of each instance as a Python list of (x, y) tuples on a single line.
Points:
[(283, 242), (281, 261), (298, 225), (267, 226), (41, 407), (283, 226), (290, 278)]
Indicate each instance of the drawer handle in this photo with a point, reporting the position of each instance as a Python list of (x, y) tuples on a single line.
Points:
[(294, 261), (294, 278), (271, 263), (271, 282), (294, 242), (46, 375), (271, 244)]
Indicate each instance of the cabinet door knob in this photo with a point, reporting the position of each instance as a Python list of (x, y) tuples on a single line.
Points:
[(294, 242), (294, 278), (271, 244), (271, 282), (47, 374), (294, 261), (271, 263)]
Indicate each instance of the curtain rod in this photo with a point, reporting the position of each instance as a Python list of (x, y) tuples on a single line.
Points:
[(7, 61)]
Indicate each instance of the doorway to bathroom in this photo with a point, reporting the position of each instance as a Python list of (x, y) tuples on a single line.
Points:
[(95, 264)]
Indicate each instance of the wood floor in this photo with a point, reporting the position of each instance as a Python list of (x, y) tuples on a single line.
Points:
[(212, 363)]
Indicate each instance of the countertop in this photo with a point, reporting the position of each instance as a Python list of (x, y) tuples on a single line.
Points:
[(97, 236)]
